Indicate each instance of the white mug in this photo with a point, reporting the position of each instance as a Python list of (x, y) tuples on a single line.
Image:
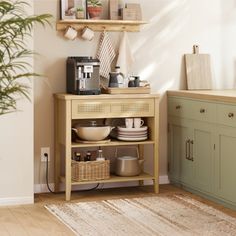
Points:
[(70, 33), (87, 34), (138, 122), (129, 122)]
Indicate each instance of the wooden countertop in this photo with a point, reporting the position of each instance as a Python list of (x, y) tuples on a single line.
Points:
[(104, 96), (214, 95)]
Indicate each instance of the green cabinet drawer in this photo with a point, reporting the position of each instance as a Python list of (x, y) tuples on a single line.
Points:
[(226, 115), (177, 107), (196, 110)]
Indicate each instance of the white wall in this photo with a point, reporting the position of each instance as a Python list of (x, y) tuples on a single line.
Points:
[(228, 48), (174, 26), (16, 151)]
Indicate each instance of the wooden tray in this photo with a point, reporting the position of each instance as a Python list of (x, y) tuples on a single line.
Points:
[(132, 90)]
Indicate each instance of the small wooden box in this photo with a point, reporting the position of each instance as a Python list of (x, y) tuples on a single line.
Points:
[(128, 14), (113, 10), (137, 8)]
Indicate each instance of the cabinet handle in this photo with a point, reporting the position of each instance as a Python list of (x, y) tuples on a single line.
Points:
[(202, 110), (191, 150), (177, 107), (231, 115), (187, 149)]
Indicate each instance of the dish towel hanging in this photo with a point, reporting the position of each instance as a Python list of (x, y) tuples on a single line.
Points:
[(105, 54), (125, 57)]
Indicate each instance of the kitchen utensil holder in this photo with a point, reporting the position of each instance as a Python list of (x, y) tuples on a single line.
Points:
[(90, 170)]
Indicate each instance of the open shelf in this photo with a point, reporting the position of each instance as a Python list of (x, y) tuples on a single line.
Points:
[(111, 143), (114, 178), (71, 108), (100, 25)]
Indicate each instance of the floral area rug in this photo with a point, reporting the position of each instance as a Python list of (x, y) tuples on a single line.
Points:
[(171, 215)]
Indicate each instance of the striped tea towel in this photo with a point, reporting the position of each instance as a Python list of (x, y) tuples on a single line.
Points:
[(105, 54)]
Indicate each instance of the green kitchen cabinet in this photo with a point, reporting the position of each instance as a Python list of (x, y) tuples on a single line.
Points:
[(202, 147), (203, 156), (225, 167), (190, 156), (180, 169)]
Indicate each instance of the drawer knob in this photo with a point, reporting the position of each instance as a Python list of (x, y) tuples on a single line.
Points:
[(177, 107), (230, 115), (202, 110)]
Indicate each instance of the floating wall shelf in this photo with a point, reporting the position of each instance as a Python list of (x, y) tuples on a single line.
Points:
[(100, 25)]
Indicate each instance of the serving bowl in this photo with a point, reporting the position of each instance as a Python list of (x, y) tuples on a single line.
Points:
[(92, 133)]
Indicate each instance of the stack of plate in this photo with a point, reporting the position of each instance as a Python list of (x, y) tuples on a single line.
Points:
[(132, 134)]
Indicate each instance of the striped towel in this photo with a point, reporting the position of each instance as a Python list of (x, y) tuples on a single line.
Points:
[(105, 54)]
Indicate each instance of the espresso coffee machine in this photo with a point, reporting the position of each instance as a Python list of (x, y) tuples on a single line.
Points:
[(83, 76)]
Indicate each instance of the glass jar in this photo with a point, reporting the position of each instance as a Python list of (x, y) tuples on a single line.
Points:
[(100, 156)]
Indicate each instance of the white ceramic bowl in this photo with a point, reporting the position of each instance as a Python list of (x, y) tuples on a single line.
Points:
[(93, 133)]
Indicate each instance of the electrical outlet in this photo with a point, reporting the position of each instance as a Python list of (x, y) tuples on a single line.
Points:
[(45, 150)]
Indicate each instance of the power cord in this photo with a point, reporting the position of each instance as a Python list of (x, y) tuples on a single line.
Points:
[(47, 182), (46, 155)]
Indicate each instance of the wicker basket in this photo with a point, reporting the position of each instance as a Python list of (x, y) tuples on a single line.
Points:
[(90, 170)]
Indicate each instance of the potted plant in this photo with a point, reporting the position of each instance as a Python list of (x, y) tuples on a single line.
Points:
[(16, 26), (80, 13), (94, 8)]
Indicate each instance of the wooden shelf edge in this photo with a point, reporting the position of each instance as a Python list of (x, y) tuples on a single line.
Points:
[(100, 25), (112, 143), (116, 179), (118, 22), (113, 179)]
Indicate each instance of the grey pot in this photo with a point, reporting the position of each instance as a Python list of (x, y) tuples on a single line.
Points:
[(128, 166)]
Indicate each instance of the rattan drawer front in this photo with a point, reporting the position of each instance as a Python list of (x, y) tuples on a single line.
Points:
[(133, 108), (84, 109), (226, 115)]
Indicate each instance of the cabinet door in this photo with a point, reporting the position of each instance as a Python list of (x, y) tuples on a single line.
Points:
[(180, 167), (186, 164), (174, 152), (225, 167), (202, 153)]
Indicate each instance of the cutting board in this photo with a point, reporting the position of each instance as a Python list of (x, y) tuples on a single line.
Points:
[(198, 70)]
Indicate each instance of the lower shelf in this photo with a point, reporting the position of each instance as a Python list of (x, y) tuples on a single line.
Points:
[(112, 143), (114, 179)]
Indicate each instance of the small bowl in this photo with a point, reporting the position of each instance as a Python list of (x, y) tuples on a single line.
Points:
[(93, 133)]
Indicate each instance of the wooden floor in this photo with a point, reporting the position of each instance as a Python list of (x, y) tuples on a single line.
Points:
[(35, 220)]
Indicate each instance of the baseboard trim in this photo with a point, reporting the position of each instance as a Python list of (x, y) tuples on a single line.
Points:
[(164, 179), (42, 188), (16, 201)]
